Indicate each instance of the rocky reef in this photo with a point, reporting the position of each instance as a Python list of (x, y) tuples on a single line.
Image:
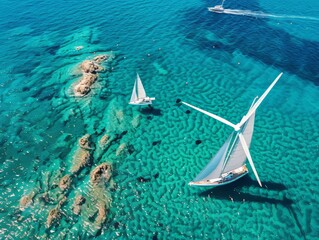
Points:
[(82, 154), (53, 216), (79, 201), (65, 182), (101, 174), (100, 184), (81, 159), (121, 149), (84, 142), (26, 200), (55, 213), (105, 140), (90, 69), (76, 186)]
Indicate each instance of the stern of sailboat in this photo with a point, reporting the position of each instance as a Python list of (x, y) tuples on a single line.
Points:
[(226, 178)]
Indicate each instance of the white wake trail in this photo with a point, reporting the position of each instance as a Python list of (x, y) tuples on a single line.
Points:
[(266, 15)]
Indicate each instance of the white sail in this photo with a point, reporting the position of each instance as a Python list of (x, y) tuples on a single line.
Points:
[(214, 168), (138, 96), (237, 156), (134, 96), (140, 89)]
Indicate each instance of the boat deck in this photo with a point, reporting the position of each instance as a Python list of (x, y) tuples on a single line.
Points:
[(225, 178)]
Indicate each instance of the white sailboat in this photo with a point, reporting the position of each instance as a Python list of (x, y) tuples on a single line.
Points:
[(138, 96), (217, 8), (229, 164)]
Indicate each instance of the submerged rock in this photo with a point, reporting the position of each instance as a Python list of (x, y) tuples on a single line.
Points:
[(136, 121), (101, 174), (100, 58), (79, 201), (53, 216), (26, 200), (122, 149), (101, 217), (88, 79), (65, 182), (84, 86), (81, 90), (96, 207), (63, 200), (105, 140), (119, 115), (84, 142), (89, 66), (81, 158)]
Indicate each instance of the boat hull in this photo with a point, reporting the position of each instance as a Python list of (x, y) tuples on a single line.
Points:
[(216, 9), (235, 175), (141, 103), (145, 101)]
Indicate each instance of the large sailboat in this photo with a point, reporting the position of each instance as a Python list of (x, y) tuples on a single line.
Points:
[(138, 96), (229, 164)]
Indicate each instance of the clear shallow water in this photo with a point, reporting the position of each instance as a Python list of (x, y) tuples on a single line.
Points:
[(226, 59)]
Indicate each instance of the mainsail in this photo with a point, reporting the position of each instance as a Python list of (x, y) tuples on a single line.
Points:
[(134, 96), (237, 156), (140, 89), (214, 168)]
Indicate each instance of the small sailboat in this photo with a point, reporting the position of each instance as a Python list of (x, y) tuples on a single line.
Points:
[(138, 96), (229, 164), (217, 8)]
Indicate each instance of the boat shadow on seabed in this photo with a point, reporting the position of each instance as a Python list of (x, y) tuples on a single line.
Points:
[(233, 192), (150, 110)]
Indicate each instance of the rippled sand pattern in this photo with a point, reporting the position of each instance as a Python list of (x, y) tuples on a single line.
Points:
[(150, 153)]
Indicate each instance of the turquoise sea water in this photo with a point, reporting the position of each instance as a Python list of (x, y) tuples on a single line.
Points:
[(225, 59)]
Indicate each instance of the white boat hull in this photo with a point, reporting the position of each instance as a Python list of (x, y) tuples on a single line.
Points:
[(216, 9), (229, 178), (143, 101)]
